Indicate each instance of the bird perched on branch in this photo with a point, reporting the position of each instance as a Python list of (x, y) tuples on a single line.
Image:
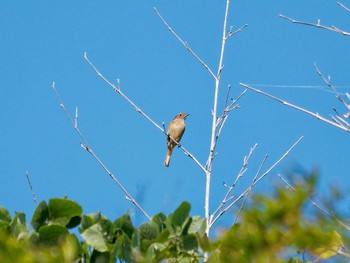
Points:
[(175, 131)]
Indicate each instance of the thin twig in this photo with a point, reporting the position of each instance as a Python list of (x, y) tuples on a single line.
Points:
[(340, 118), (185, 44), (327, 81), (245, 192), (31, 187), (227, 95), (318, 25), (246, 196), (162, 129), (86, 147), (76, 118), (316, 115), (222, 119), (316, 205), (231, 33), (336, 120), (239, 175), (343, 6), (67, 114)]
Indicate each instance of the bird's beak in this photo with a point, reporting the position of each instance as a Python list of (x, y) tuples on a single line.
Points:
[(187, 115)]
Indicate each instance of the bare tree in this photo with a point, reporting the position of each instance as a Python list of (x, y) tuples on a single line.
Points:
[(338, 120), (217, 125)]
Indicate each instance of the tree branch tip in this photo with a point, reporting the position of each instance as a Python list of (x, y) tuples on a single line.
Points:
[(85, 147)]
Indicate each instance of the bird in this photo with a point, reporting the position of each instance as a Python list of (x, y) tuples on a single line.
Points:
[(175, 130)]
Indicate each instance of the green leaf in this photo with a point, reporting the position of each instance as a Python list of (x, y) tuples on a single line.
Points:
[(18, 224), (335, 243), (40, 216), (98, 257), (149, 231), (88, 220), (154, 252), (94, 237), (186, 225), (190, 242), (5, 215), (52, 234), (181, 214), (123, 247), (204, 242), (136, 239), (61, 211), (108, 230), (124, 223), (72, 248), (198, 225), (74, 221), (159, 219), (5, 218), (163, 236)]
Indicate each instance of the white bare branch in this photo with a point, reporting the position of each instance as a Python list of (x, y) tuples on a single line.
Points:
[(185, 44), (239, 175), (316, 115), (245, 192), (343, 6), (318, 25), (31, 187), (248, 193), (162, 129), (86, 147)]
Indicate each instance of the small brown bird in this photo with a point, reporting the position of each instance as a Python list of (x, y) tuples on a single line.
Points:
[(175, 130)]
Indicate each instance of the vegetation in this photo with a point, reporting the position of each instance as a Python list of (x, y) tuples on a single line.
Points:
[(272, 229)]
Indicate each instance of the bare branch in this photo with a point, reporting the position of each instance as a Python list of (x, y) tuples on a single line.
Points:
[(318, 25), (31, 187), (185, 44), (231, 32), (343, 6), (246, 196), (213, 138), (342, 120), (68, 116), (327, 81), (316, 115), (162, 129), (86, 147), (316, 205), (339, 120), (76, 118), (222, 119), (227, 95), (245, 192), (239, 175)]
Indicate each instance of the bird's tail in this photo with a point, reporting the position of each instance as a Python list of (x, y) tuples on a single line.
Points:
[(168, 154)]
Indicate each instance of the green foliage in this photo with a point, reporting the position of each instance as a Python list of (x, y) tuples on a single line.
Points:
[(275, 230), (270, 230)]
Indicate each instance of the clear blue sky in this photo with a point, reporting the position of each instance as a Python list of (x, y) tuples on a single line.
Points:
[(45, 41)]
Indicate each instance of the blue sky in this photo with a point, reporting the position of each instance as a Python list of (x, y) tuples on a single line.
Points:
[(45, 41)]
